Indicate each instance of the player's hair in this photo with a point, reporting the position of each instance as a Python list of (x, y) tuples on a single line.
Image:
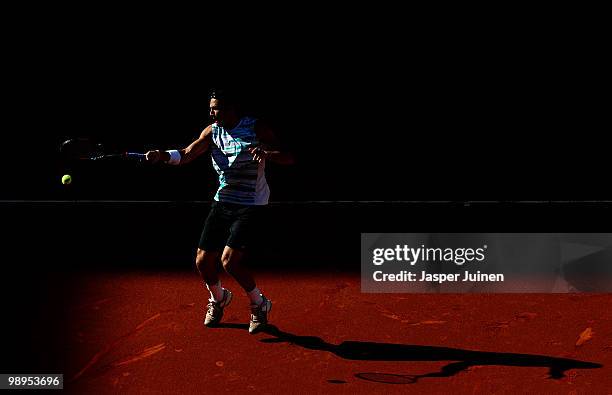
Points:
[(225, 95), (240, 100)]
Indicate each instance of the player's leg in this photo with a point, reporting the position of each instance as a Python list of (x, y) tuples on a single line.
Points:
[(247, 223), (211, 243), (206, 263), (232, 260), (242, 233)]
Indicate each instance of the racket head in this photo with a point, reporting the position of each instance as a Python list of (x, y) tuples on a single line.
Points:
[(81, 149), (88, 150)]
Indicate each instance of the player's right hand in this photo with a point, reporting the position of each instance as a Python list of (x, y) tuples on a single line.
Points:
[(153, 156)]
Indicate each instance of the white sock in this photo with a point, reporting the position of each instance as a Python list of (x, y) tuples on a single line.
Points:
[(255, 296), (216, 291)]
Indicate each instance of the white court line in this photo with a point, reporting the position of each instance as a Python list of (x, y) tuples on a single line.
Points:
[(210, 201), (306, 201)]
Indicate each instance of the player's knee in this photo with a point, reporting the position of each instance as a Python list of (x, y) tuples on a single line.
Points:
[(226, 261), (203, 258)]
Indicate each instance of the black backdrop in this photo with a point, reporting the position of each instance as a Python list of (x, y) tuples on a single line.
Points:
[(352, 142), (396, 112)]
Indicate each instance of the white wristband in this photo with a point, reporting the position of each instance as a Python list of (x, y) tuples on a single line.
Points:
[(175, 157)]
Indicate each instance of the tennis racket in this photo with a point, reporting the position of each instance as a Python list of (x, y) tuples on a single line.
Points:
[(84, 149)]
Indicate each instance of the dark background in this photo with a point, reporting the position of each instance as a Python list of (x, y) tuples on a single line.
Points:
[(494, 127), (396, 113), (415, 139), (415, 117), (373, 111)]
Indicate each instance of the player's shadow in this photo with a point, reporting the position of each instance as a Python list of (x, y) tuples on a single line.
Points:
[(370, 351)]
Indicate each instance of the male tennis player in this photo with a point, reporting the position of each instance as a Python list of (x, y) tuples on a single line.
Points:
[(240, 146)]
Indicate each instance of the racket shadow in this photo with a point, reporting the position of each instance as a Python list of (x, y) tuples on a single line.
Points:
[(461, 359)]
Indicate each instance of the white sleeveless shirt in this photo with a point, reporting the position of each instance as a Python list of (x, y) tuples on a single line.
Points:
[(242, 180)]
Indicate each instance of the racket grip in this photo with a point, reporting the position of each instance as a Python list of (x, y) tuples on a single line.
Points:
[(134, 155)]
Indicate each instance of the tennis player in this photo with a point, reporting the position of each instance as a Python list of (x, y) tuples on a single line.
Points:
[(240, 146)]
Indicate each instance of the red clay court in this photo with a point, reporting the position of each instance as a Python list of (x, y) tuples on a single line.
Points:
[(121, 311), (142, 333)]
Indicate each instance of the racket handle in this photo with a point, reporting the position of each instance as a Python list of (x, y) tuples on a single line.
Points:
[(134, 155), (125, 155)]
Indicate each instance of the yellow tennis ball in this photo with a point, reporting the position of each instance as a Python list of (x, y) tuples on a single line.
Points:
[(66, 179)]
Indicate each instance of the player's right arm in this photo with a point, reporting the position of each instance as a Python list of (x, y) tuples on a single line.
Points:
[(188, 154)]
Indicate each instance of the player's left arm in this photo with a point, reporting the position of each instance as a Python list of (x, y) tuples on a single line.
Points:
[(269, 147)]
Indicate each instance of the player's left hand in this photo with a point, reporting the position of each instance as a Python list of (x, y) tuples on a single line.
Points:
[(259, 154)]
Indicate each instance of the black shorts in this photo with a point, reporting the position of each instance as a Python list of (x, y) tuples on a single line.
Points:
[(229, 224)]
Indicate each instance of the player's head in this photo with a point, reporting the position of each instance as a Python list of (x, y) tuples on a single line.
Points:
[(224, 106)]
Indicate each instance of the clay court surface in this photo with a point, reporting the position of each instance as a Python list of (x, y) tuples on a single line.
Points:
[(143, 333)]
